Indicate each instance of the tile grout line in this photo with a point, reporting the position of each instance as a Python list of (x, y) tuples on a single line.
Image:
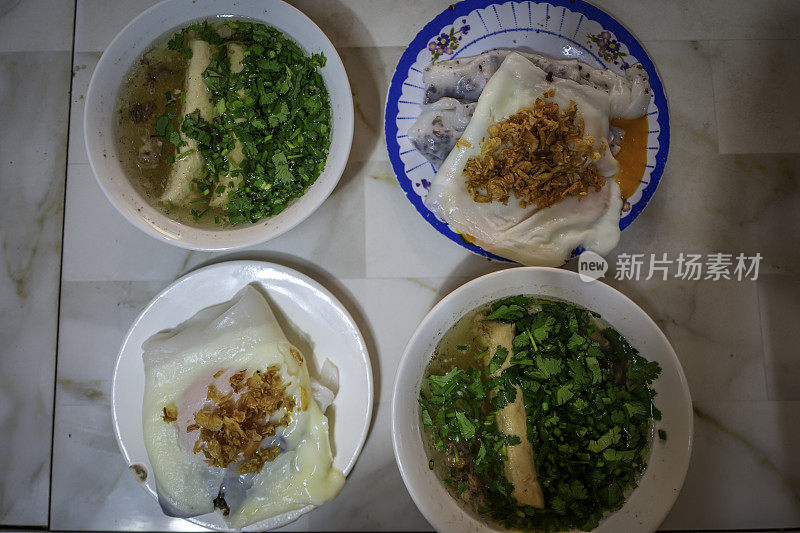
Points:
[(61, 265), (764, 341), (707, 54)]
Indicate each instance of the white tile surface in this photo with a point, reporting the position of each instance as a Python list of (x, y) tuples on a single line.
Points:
[(779, 304), (374, 497), (400, 243), (685, 69), (332, 237), (702, 19), (365, 22), (720, 351), (97, 22), (82, 69), (126, 254), (90, 473), (34, 96), (374, 23), (362, 23), (88, 470), (369, 23), (754, 113), (723, 203), (36, 25), (390, 311), (370, 70), (727, 188), (129, 254), (744, 471)]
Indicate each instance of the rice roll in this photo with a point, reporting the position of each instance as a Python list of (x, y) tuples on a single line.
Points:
[(189, 167), (465, 78), (520, 467), (439, 127)]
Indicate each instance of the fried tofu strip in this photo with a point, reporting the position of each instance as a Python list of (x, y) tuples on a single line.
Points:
[(184, 170), (520, 468)]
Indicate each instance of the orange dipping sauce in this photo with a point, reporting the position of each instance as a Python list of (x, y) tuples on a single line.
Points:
[(632, 156)]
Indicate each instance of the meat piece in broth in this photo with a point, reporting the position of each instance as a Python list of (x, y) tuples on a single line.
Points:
[(141, 112), (150, 153)]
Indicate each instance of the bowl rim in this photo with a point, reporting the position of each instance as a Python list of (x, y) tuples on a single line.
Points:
[(202, 239), (407, 356)]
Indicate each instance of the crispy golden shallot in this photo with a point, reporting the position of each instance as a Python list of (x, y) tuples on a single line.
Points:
[(231, 429), (170, 413), (539, 153)]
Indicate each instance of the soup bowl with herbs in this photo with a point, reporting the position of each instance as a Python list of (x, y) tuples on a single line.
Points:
[(529, 399), (218, 124)]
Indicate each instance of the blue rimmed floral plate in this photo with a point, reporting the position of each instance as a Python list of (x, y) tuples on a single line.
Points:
[(558, 28)]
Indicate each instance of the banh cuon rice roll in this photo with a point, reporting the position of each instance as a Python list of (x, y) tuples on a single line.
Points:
[(534, 156), (224, 123)]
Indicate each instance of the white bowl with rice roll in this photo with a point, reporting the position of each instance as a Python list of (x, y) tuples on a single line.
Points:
[(526, 399), (218, 125)]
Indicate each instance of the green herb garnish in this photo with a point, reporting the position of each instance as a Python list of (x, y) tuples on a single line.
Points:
[(277, 108), (589, 411)]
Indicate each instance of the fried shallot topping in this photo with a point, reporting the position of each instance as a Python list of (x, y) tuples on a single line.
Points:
[(231, 429), (541, 155), (170, 413)]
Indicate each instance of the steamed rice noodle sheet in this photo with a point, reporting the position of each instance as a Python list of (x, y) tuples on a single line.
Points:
[(530, 235), (232, 420)]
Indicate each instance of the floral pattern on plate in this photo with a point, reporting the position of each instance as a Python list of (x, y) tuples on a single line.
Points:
[(558, 28), (447, 41)]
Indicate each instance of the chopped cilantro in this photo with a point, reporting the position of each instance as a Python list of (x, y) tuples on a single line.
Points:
[(589, 410), (497, 360), (277, 108), (467, 428), (563, 394), (507, 313)]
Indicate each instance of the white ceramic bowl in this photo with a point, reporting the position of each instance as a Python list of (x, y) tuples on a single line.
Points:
[(647, 505), (125, 49)]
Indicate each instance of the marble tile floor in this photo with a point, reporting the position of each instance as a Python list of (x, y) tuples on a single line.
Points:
[(75, 274)]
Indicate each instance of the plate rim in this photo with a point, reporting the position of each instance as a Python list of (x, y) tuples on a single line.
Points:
[(261, 265), (464, 8), (396, 432)]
